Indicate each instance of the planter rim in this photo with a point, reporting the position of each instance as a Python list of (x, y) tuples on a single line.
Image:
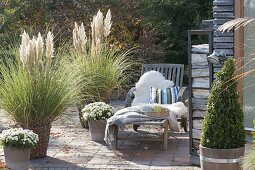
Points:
[(97, 120), (200, 146), (11, 148)]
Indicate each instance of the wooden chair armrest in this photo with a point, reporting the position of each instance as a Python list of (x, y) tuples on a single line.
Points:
[(182, 97), (130, 96)]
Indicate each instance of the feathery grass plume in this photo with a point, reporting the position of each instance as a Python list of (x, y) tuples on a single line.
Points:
[(79, 38), (23, 48), (107, 23), (100, 29), (49, 46), (39, 46)]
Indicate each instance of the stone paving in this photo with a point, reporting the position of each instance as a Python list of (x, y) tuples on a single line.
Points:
[(70, 148)]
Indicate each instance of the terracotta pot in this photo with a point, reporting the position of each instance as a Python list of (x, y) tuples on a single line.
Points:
[(17, 159), (97, 129), (220, 159), (43, 132)]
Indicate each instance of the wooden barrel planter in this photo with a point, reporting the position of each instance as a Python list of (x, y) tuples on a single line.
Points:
[(220, 159)]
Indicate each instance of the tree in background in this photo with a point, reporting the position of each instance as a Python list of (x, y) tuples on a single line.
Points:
[(171, 19), (60, 15), (159, 28)]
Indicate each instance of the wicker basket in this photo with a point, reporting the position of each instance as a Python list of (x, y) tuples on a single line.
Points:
[(164, 113), (43, 132)]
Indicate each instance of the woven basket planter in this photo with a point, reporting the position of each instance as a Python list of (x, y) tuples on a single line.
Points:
[(43, 132)]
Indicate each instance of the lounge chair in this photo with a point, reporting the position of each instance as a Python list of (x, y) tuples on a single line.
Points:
[(173, 72)]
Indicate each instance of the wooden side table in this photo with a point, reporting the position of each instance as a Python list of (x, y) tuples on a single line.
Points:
[(164, 123)]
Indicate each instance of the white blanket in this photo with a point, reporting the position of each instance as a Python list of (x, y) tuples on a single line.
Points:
[(133, 114)]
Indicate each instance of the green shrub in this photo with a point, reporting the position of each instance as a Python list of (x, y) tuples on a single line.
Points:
[(223, 126)]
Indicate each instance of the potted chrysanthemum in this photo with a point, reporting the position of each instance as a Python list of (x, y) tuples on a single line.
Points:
[(17, 145), (96, 114)]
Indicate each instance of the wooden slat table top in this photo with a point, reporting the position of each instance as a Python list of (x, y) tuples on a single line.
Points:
[(161, 122)]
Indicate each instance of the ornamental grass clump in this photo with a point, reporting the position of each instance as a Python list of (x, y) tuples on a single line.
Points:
[(35, 87), (223, 126), (18, 138), (97, 111), (107, 68)]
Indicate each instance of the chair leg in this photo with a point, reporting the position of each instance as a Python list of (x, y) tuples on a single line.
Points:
[(114, 143), (184, 123), (116, 137), (165, 138), (135, 127)]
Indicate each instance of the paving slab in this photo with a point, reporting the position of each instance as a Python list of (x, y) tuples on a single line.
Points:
[(71, 148)]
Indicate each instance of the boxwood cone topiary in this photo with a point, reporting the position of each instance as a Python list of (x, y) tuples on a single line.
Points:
[(223, 126)]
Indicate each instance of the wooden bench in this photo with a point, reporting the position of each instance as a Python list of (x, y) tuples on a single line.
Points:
[(163, 123)]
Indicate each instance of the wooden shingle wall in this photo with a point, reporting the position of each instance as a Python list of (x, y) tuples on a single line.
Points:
[(199, 92), (223, 11)]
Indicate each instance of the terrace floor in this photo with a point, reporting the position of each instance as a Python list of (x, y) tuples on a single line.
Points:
[(70, 148)]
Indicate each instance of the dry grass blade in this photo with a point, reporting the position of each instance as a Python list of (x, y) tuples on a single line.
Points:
[(235, 24)]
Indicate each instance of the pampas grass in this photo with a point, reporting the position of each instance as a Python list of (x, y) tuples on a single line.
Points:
[(236, 24), (34, 90), (107, 68)]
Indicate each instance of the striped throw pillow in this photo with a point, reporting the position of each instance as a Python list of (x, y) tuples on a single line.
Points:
[(165, 96)]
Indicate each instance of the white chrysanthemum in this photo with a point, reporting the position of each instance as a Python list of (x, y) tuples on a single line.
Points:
[(97, 111), (18, 137)]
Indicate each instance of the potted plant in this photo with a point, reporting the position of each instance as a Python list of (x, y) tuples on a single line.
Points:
[(96, 114), (36, 87), (17, 145), (107, 67), (223, 134)]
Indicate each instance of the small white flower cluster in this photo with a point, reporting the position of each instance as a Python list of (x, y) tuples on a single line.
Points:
[(18, 138), (97, 111)]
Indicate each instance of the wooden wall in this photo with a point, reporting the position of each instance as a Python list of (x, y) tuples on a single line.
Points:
[(223, 11)]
